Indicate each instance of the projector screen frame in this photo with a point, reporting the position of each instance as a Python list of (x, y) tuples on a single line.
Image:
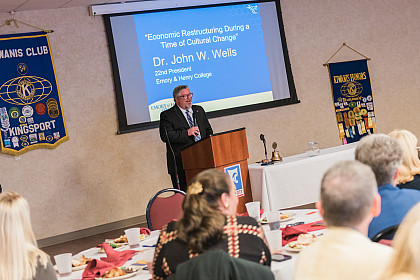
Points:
[(123, 127)]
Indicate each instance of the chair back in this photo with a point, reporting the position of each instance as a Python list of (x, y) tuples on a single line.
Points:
[(162, 210), (387, 233)]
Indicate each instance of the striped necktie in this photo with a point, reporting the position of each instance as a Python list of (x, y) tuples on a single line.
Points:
[(189, 119), (191, 124)]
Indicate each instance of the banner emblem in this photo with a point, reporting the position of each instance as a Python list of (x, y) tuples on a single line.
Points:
[(27, 78), (351, 89)]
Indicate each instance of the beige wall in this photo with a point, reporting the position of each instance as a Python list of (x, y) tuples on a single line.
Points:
[(98, 177)]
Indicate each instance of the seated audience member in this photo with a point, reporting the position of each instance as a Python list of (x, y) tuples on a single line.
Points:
[(20, 257), (409, 170), (219, 265), (209, 222), (405, 263), (349, 201), (384, 154)]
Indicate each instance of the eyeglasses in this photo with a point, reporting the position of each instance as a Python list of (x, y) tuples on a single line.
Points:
[(185, 96)]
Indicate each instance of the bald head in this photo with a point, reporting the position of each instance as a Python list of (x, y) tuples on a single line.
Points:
[(348, 190)]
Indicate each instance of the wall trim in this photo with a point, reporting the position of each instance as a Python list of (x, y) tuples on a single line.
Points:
[(70, 236)]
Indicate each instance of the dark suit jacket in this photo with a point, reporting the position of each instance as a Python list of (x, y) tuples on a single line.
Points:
[(217, 264), (176, 126)]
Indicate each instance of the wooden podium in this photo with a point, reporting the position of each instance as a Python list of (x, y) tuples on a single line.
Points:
[(220, 150)]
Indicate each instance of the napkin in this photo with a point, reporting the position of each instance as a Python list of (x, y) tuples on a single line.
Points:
[(145, 231), (292, 233), (387, 242), (97, 268)]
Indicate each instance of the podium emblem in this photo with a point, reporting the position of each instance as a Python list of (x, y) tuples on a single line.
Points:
[(234, 172)]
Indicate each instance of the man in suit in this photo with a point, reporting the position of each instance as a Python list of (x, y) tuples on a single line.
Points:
[(349, 201), (182, 125)]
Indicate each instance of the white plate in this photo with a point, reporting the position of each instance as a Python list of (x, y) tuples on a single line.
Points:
[(74, 268), (112, 240), (147, 236), (109, 241), (80, 267), (121, 277), (122, 248), (292, 216), (290, 249)]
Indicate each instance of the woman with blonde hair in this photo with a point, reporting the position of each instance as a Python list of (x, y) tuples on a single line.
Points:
[(20, 258), (209, 222), (405, 264), (409, 170)]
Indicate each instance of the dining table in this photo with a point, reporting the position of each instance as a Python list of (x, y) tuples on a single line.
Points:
[(146, 244), (296, 180), (282, 270), (285, 270)]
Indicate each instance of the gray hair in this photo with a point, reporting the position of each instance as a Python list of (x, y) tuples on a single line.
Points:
[(383, 154), (178, 89), (348, 189)]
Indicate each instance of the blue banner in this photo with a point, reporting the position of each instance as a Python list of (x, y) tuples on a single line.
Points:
[(353, 101), (30, 108)]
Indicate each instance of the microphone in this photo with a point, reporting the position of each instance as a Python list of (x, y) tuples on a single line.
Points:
[(173, 155), (195, 112), (262, 138)]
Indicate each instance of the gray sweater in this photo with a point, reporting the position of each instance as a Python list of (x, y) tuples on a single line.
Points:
[(45, 273)]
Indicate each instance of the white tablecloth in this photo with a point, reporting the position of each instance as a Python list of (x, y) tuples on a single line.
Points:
[(95, 254), (281, 270), (296, 180), (286, 269)]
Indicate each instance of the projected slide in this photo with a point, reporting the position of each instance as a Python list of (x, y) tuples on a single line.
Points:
[(233, 56), (218, 51)]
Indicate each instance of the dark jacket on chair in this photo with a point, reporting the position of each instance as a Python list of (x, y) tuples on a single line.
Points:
[(217, 264)]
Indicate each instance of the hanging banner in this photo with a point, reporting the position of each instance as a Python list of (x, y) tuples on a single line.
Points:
[(30, 107), (353, 101)]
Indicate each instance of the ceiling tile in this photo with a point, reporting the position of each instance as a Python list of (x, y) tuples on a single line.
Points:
[(31, 5), (86, 3), (10, 5)]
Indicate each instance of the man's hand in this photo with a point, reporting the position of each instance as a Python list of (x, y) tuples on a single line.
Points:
[(193, 131)]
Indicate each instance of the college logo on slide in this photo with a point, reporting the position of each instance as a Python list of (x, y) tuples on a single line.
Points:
[(234, 173), (253, 8)]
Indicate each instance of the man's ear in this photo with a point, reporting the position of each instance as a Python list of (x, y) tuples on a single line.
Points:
[(318, 206), (376, 206), (395, 177)]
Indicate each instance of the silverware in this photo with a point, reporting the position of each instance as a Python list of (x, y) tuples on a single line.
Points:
[(317, 224)]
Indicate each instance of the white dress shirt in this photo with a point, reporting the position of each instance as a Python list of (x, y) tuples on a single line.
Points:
[(342, 253)]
